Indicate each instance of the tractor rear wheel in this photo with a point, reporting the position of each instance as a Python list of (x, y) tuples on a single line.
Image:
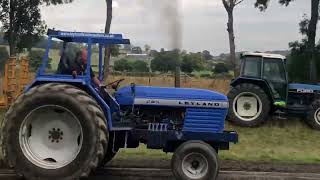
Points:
[(54, 131), (249, 105), (112, 149), (313, 116), (195, 160)]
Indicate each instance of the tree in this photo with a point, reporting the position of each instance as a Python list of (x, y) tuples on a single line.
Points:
[(206, 55), (4, 55), (114, 50), (310, 31), (35, 59), (298, 61), (22, 22), (140, 66), (191, 62), (107, 31), (229, 5), (263, 4), (122, 65), (220, 68), (187, 64), (165, 61)]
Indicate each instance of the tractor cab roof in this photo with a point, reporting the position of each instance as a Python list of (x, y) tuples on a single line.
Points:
[(264, 55), (85, 37)]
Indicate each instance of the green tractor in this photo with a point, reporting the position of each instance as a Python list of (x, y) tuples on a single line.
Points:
[(262, 89)]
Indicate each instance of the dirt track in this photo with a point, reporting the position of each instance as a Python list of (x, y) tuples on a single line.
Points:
[(234, 170), (225, 165), (165, 174)]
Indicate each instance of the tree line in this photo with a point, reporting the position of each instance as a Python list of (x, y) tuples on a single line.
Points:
[(23, 28), (166, 62)]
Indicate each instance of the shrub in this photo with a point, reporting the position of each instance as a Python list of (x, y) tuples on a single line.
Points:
[(122, 65), (140, 66), (220, 68), (35, 59)]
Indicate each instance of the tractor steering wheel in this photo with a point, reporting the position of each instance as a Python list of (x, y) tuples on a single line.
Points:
[(114, 85)]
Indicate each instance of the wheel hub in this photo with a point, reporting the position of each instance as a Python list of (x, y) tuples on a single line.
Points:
[(55, 135), (247, 106), (195, 166)]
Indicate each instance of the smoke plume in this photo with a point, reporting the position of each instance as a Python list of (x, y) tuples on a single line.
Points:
[(167, 15)]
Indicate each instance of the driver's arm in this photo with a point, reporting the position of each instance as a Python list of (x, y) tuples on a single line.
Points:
[(94, 79)]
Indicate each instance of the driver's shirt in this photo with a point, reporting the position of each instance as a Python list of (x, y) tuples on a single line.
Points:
[(81, 68)]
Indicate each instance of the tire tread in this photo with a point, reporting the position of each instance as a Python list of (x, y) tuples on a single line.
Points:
[(79, 95)]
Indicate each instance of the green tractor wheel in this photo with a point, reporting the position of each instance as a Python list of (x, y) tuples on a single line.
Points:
[(313, 116), (249, 105)]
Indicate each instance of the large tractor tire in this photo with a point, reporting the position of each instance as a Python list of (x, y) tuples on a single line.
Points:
[(111, 150), (249, 105), (313, 116), (54, 131), (195, 160)]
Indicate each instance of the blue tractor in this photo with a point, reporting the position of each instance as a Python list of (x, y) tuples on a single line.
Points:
[(64, 127), (262, 90)]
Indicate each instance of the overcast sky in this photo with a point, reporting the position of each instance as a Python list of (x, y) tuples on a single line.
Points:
[(203, 23)]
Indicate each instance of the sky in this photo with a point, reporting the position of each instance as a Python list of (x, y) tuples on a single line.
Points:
[(203, 23)]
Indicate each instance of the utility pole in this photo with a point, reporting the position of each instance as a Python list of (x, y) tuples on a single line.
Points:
[(177, 82)]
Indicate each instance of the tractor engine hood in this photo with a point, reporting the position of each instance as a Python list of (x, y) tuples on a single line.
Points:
[(164, 96), (304, 88)]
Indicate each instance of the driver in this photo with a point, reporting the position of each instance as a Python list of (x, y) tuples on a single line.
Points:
[(79, 67), (64, 63)]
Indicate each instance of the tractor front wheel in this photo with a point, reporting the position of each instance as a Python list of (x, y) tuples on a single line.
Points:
[(195, 160), (249, 105), (313, 116), (54, 131)]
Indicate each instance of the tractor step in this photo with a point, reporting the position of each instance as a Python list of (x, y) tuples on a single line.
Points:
[(280, 115)]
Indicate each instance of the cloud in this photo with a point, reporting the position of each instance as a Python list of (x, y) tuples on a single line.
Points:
[(115, 4), (203, 23)]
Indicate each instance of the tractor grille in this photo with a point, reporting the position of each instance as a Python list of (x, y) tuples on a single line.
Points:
[(204, 120)]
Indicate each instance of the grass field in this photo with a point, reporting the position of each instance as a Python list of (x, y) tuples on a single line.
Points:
[(294, 142)]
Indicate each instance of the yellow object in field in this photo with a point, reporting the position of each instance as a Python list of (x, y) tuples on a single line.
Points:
[(3, 99), (11, 86), (23, 74)]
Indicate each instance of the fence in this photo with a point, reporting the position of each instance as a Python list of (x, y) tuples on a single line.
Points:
[(167, 80), (220, 84)]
